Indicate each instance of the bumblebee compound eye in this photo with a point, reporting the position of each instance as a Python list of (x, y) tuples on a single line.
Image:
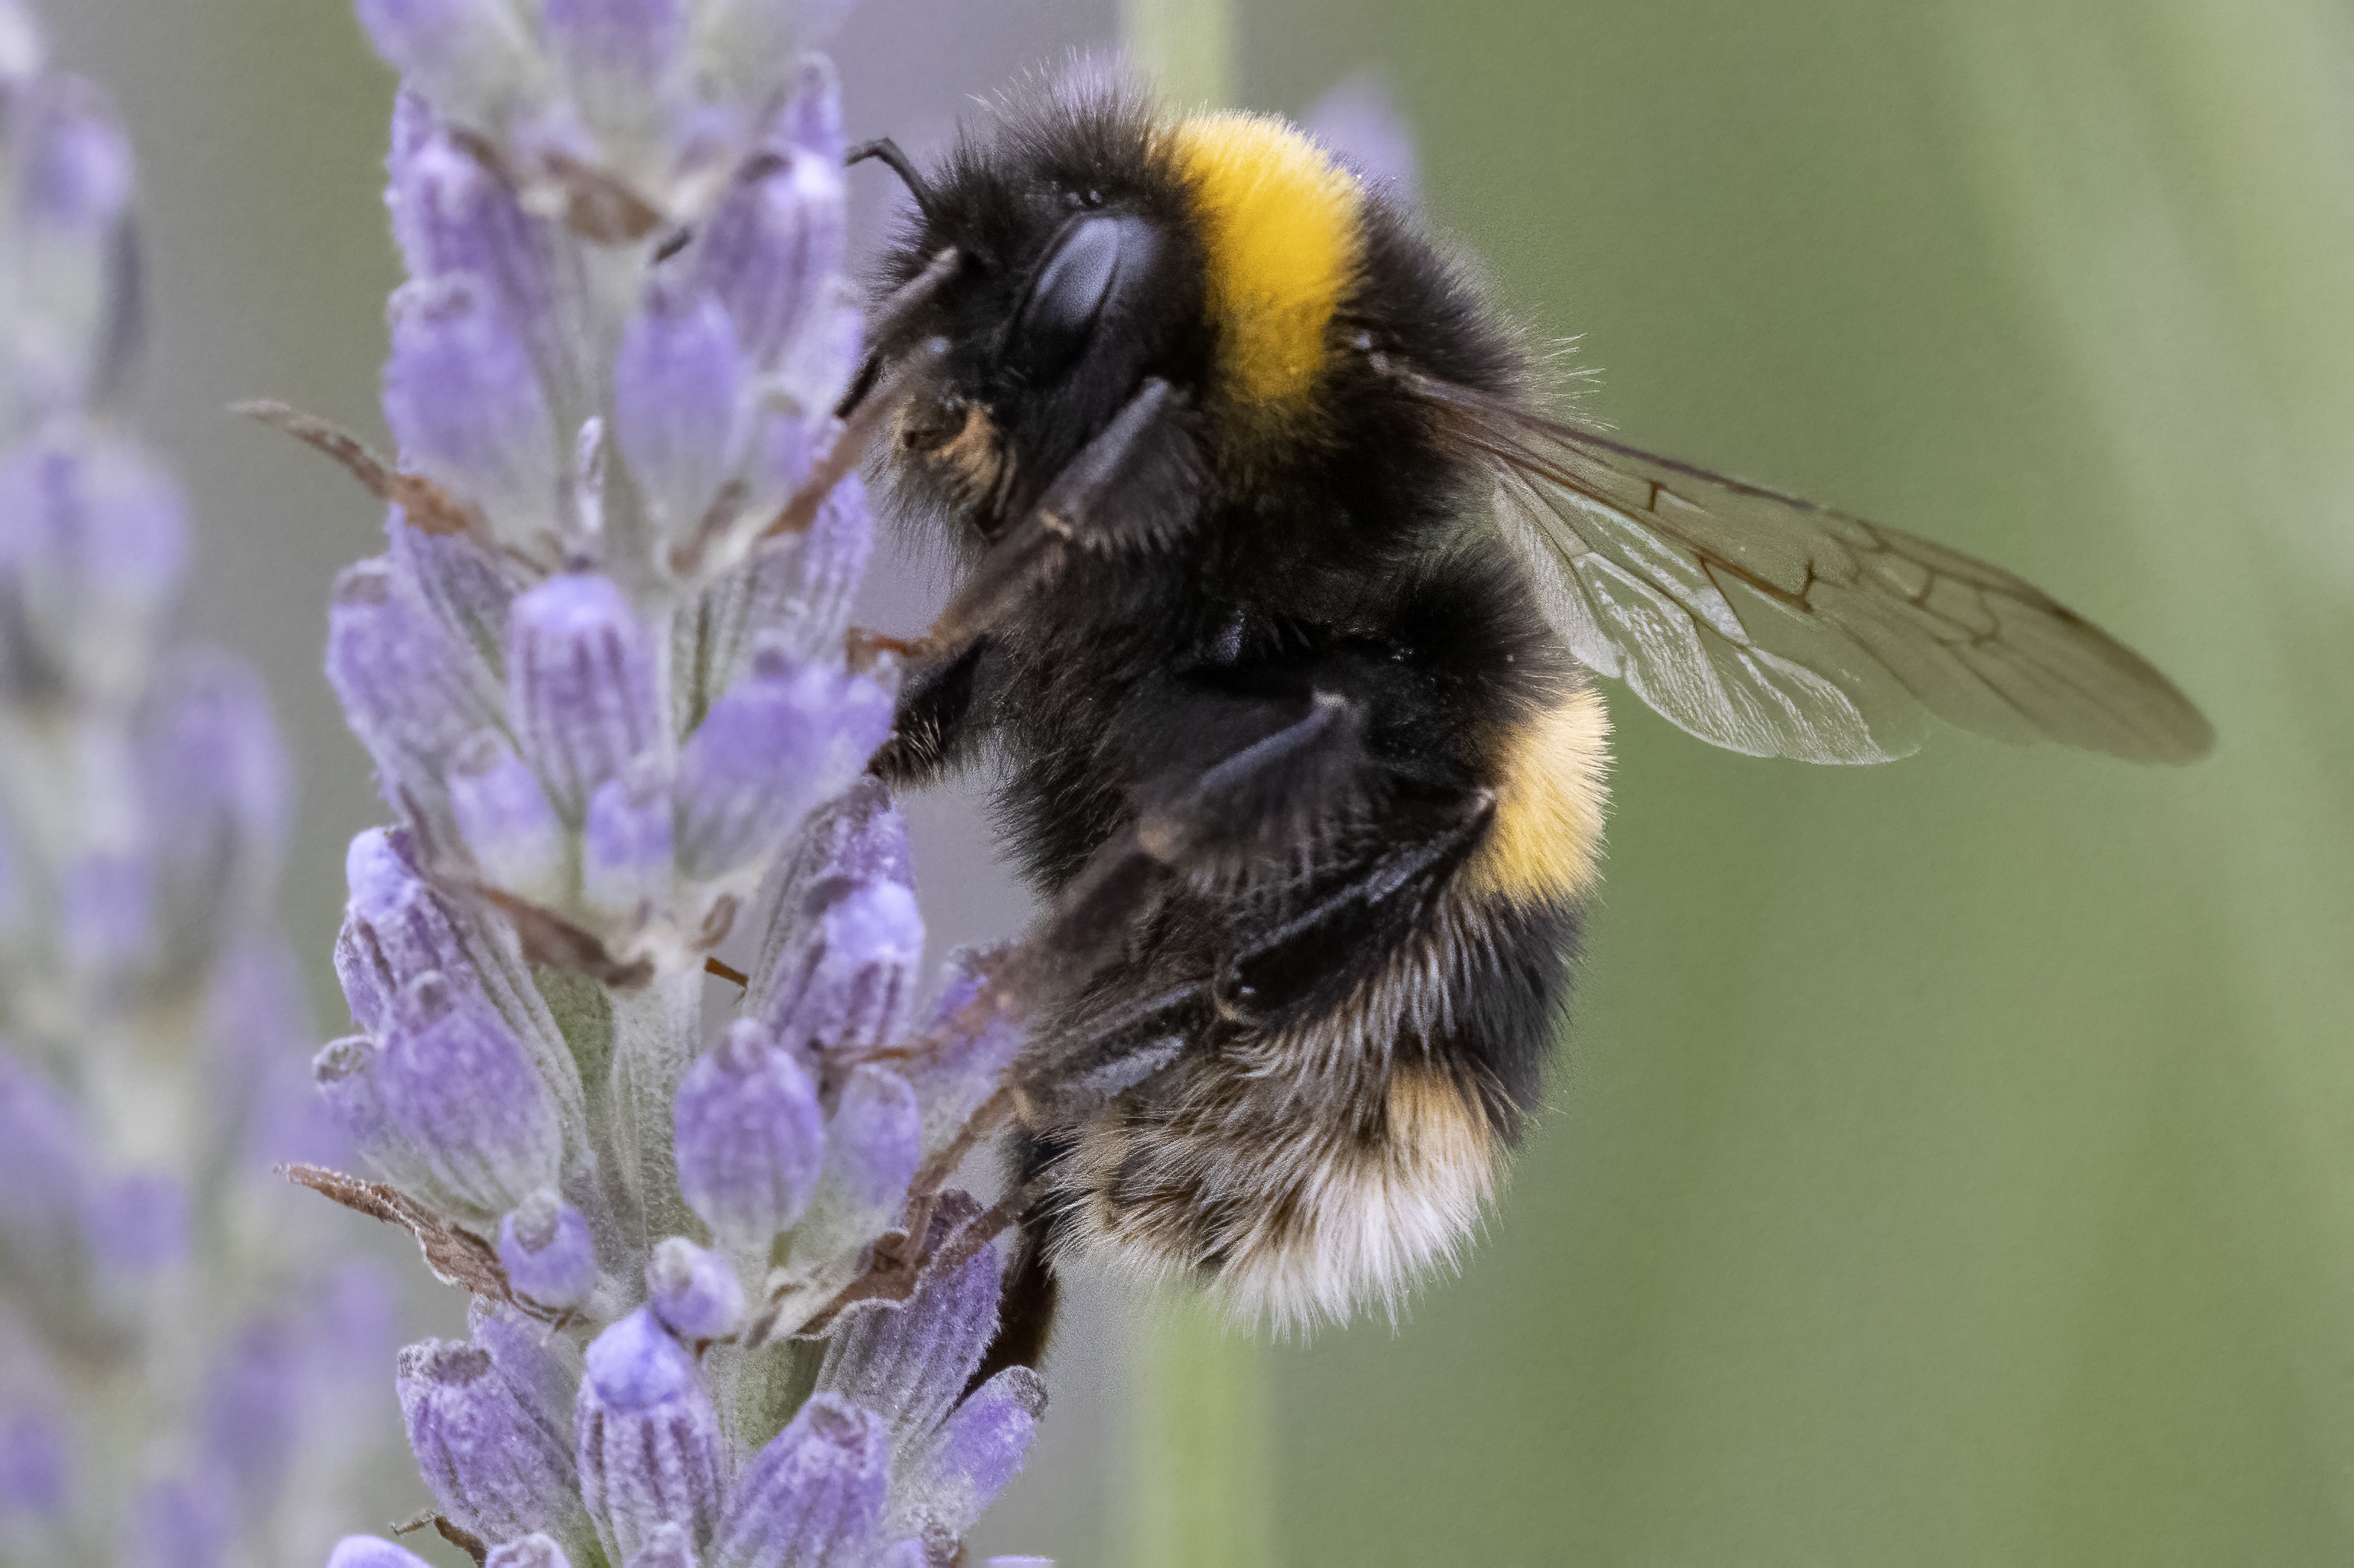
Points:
[(1089, 261)]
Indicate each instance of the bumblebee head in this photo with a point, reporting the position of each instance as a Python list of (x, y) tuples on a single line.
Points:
[(1052, 268)]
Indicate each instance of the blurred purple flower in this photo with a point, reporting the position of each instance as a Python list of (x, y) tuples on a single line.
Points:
[(1360, 120)]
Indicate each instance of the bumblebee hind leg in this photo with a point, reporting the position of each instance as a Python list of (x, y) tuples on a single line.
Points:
[(1026, 1313)]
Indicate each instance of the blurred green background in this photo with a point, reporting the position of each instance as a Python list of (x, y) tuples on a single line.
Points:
[(1953, 1163)]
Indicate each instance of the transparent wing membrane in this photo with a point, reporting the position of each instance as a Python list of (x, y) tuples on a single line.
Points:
[(1768, 625)]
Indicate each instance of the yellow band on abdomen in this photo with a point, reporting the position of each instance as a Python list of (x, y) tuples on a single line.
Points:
[(1550, 792)]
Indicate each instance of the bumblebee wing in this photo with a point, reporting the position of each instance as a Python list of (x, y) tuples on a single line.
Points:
[(1768, 625)]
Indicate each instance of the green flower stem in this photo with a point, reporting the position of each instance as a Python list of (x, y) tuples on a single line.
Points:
[(1203, 1490), (1199, 1403), (1185, 47)]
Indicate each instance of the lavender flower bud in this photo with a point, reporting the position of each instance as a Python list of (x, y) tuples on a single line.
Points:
[(860, 838), (36, 1463), (966, 1067), (909, 1362), (493, 1464), (530, 1552), (788, 597), (404, 692), (812, 120), (814, 1494), (783, 740), (649, 1438), (93, 544), (453, 217), (667, 1546), (621, 63), (542, 1369), (139, 1223), (177, 1522), (107, 909), (951, 1478), (464, 396), (625, 848), (751, 1138), (71, 304), (216, 800), (344, 1074), (457, 1088), (76, 163), (377, 947), (873, 1146), (395, 927), (548, 1251), (834, 554), (678, 404), (373, 1552), (471, 59), (580, 680), (774, 248), (466, 591), (847, 984), (504, 817), (250, 1414), (43, 1172), (696, 1293)]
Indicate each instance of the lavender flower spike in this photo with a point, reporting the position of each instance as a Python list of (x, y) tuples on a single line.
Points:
[(171, 1389), (607, 692)]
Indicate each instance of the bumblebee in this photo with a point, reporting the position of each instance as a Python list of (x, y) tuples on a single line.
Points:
[(1282, 606)]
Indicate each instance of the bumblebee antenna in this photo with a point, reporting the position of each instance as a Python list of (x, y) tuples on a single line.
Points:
[(886, 152)]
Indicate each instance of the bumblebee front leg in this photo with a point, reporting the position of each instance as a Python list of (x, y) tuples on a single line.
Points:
[(1129, 489), (1121, 492)]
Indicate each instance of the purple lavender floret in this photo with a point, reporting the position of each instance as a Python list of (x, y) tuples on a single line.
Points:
[(750, 1138), (603, 674), (495, 1465), (650, 1441), (815, 1494), (372, 1552), (694, 1291), (548, 1252), (911, 1365)]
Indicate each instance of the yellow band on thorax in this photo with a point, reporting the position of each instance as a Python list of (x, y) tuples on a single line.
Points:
[(1279, 219)]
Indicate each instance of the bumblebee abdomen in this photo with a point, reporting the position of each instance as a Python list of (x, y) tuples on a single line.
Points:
[(1308, 1172), (1309, 1164)]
